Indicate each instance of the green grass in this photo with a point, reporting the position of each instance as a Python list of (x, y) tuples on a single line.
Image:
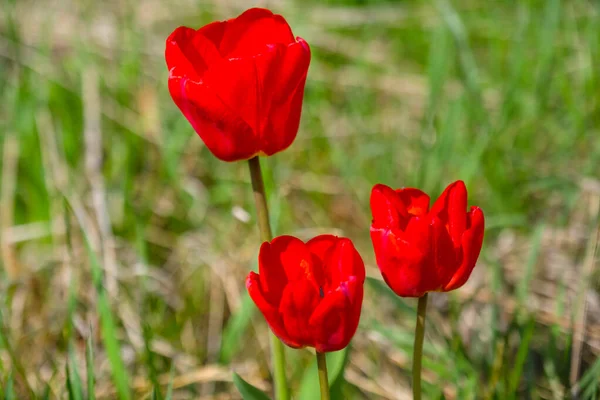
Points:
[(123, 265)]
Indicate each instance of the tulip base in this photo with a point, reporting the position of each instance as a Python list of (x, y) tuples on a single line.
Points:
[(262, 213), (418, 347), (323, 379)]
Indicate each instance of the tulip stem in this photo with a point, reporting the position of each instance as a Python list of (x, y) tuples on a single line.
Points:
[(262, 213), (418, 347), (323, 380)]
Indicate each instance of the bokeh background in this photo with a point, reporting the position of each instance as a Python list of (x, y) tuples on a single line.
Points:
[(125, 243)]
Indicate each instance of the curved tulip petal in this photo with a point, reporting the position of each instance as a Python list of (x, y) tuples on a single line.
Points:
[(227, 136), (287, 259), (451, 207), (248, 34), (321, 245), (298, 302), (406, 268), (283, 90), (214, 32), (271, 313), (415, 201), (388, 211), (472, 241), (344, 261), (444, 256), (335, 320)]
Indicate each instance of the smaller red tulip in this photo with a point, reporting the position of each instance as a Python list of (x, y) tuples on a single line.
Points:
[(310, 294), (419, 250), (240, 83)]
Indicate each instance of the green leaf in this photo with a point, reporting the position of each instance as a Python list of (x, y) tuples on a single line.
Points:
[(108, 328), (74, 386), (89, 364), (9, 393), (169, 394), (248, 391)]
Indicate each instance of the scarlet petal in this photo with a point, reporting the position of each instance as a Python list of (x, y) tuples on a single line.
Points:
[(335, 320), (298, 302), (387, 209), (282, 73), (446, 259), (287, 259), (227, 136), (248, 34), (342, 262), (321, 245), (472, 241), (214, 32), (451, 208), (190, 52), (406, 268), (415, 201), (271, 314)]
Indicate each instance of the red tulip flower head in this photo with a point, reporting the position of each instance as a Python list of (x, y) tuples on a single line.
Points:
[(418, 249), (240, 83), (310, 294)]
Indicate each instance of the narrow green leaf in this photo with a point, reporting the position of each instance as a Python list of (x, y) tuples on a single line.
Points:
[(9, 393), (108, 328), (169, 394), (523, 350), (248, 391), (74, 385), (529, 268), (89, 364)]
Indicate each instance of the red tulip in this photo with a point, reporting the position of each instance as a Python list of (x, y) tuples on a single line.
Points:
[(310, 294), (419, 250), (240, 83)]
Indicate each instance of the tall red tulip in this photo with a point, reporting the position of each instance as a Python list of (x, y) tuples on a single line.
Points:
[(418, 249), (310, 294), (240, 83)]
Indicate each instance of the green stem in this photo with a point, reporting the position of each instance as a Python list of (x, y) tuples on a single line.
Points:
[(323, 380), (418, 347), (262, 213)]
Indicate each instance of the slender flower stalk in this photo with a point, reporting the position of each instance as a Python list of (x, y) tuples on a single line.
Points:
[(262, 213), (323, 379), (418, 347)]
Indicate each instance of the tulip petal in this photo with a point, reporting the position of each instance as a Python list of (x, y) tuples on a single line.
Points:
[(451, 207), (190, 52), (248, 34), (282, 75), (271, 314), (405, 265), (298, 301), (415, 201), (472, 241), (214, 32), (445, 257), (227, 136), (386, 207), (286, 260), (335, 320), (321, 245), (342, 262)]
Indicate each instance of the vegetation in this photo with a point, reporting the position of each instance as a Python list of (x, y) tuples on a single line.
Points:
[(125, 243)]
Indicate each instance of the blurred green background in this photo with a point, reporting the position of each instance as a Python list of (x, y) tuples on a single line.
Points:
[(125, 243)]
